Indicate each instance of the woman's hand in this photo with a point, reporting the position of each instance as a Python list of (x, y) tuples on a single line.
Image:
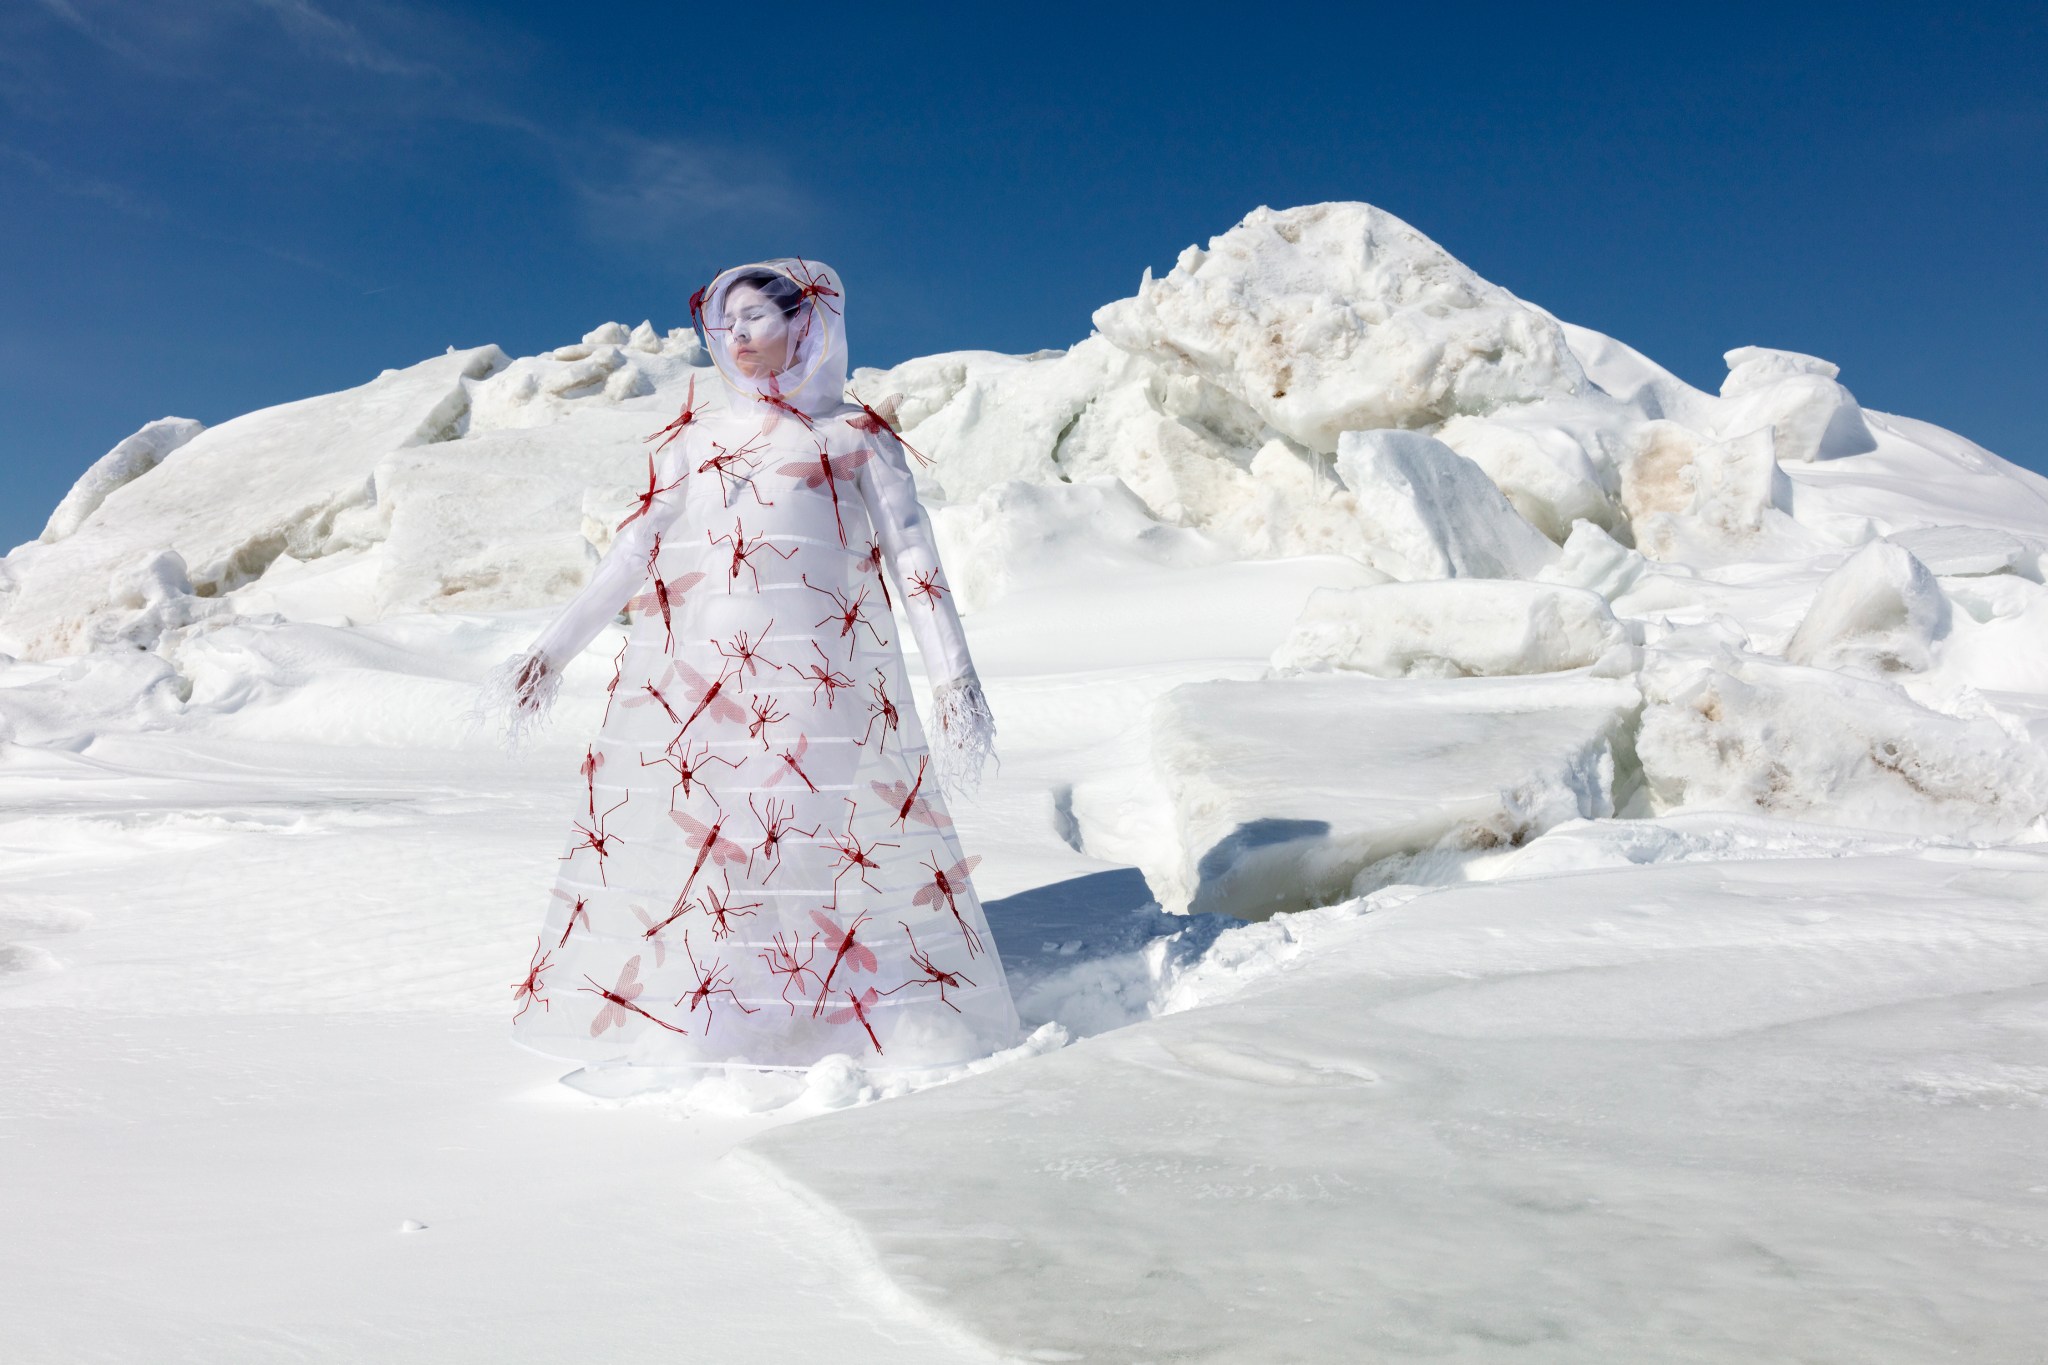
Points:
[(530, 685)]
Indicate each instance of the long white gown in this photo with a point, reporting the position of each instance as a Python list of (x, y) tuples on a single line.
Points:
[(762, 869)]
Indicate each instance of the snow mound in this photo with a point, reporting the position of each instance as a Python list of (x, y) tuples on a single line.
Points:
[(1431, 513), (295, 479), (1880, 611), (1265, 819), (1749, 734), (1543, 468), (1688, 496), (130, 460), (1458, 628), (1811, 416), (1340, 317), (1968, 551)]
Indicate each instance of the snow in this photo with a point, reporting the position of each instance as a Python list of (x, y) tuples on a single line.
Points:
[(1456, 628), (1500, 854)]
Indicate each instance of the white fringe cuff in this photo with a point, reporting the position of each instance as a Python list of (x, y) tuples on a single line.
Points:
[(497, 702), (963, 734)]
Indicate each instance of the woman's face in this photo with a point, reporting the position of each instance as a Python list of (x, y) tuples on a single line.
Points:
[(758, 331)]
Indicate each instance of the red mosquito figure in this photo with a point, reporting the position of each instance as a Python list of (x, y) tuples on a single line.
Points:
[(697, 305), (722, 461), (654, 928), (781, 405), (592, 761), (595, 839), (711, 846), (744, 649), (712, 980), (579, 908), (823, 679), (909, 805), (527, 991), (850, 613), (650, 694), (872, 563), (827, 472), (874, 423), (718, 905), (765, 715), (845, 948), (813, 287), (618, 1001), (673, 429), (857, 1007), (854, 854), (713, 696), (681, 756), (777, 823), (663, 594), (933, 976), (880, 709), (927, 586), (743, 552), (942, 887), (618, 671), (791, 759), (783, 961), (643, 501)]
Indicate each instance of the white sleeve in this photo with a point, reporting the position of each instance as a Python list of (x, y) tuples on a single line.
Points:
[(912, 554), (624, 569)]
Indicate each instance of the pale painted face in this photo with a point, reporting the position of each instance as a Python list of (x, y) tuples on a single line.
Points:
[(758, 331)]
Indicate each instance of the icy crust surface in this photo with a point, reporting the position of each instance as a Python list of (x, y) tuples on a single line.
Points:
[(1324, 586), (1623, 1115)]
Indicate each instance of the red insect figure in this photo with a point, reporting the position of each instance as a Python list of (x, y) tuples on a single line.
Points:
[(857, 1007), (643, 501), (712, 980), (663, 595), (875, 424), (777, 823), (618, 1001), (783, 962), (927, 586), (933, 976), (673, 429), (744, 649), (850, 613), (909, 805), (823, 679), (724, 463), (618, 671), (846, 948), (579, 908), (827, 471), (527, 991), (711, 696), (718, 905), (687, 764), (791, 759), (945, 885), (711, 845), (743, 552), (872, 563), (592, 761), (813, 287), (765, 715), (653, 929), (595, 839), (880, 709), (780, 405), (651, 695), (852, 853)]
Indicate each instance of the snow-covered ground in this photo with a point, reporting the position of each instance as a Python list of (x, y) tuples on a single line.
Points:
[(1503, 856)]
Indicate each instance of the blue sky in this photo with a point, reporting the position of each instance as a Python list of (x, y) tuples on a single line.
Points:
[(208, 206)]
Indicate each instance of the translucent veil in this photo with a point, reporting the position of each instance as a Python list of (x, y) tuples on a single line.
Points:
[(813, 301)]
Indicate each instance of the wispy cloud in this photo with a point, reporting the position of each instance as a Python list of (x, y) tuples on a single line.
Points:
[(634, 188), (323, 35), (116, 197)]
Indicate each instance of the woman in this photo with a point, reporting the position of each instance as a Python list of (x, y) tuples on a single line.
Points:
[(762, 870)]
